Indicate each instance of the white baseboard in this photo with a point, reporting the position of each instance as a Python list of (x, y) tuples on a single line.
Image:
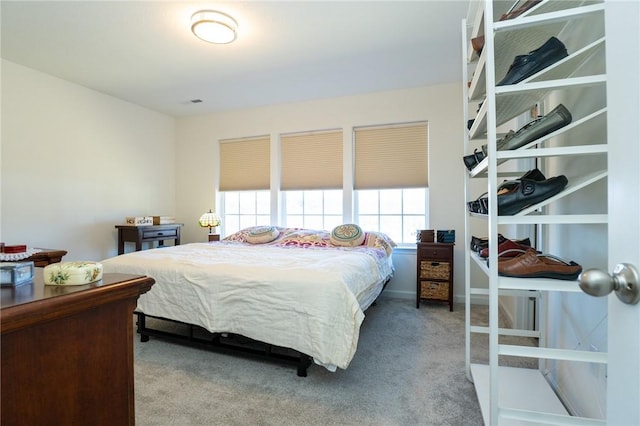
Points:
[(399, 294), (475, 300)]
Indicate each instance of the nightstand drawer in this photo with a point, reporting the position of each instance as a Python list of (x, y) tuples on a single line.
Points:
[(159, 233), (434, 252), (434, 270), (434, 290)]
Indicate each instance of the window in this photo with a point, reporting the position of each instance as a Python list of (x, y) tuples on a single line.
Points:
[(244, 183), (396, 212), (314, 209), (242, 209), (312, 178), (384, 172), (391, 179)]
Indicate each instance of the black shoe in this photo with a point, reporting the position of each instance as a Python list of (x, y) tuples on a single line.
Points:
[(471, 161), (481, 205), (556, 119), (529, 192), (533, 174), (524, 66)]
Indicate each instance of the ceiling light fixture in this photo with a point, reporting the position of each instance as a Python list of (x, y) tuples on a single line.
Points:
[(213, 26)]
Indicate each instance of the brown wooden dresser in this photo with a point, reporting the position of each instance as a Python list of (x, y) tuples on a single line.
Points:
[(434, 277), (67, 352)]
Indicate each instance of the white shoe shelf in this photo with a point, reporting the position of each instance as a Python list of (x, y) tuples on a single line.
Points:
[(508, 395)]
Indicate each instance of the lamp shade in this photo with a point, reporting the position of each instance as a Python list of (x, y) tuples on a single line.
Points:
[(210, 220), (213, 26)]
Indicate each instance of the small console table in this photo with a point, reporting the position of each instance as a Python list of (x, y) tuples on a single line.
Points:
[(147, 234)]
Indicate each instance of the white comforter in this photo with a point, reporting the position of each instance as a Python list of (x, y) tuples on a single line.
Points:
[(307, 299)]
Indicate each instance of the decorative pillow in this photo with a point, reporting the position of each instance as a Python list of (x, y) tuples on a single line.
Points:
[(379, 240), (262, 234), (348, 235), (305, 238)]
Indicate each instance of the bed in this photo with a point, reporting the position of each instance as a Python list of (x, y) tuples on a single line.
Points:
[(294, 290)]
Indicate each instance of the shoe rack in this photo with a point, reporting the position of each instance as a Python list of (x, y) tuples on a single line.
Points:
[(510, 395)]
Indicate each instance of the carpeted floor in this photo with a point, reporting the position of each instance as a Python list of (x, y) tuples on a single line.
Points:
[(408, 370)]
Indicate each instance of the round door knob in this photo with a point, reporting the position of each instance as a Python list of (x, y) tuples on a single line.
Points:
[(623, 280)]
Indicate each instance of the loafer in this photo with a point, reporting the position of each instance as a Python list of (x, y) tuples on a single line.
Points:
[(534, 265), (528, 192), (556, 119), (481, 205), (524, 66), (477, 43), (470, 123), (509, 248), (519, 11), (479, 243), (533, 174), (472, 160)]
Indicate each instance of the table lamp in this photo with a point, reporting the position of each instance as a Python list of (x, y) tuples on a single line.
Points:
[(210, 220)]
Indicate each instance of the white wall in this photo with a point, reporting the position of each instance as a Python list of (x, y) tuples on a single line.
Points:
[(578, 321), (75, 162), (197, 154)]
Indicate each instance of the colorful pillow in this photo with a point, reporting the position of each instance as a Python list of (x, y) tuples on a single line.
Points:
[(379, 240), (348, 235), (305, 238), (262, 234)]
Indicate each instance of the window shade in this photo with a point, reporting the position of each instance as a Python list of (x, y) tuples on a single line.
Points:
[(391, 157), (245, 164), (311, 160)]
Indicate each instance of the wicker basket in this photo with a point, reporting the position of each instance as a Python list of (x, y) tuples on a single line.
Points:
[(434, 290), (434, 270)]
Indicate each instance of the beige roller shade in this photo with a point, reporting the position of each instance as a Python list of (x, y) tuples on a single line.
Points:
[(311, 160), (391, 156), (245, 164)]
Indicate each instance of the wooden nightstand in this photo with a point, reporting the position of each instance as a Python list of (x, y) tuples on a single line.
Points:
[(214, 237), (147, 234), (434, 280)]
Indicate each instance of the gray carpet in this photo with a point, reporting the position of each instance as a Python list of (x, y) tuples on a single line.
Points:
[(408, 370)]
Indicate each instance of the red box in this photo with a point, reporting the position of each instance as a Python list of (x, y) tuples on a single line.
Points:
[(15, 249)]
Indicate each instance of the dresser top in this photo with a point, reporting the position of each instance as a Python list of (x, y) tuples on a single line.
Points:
[(35, 302)]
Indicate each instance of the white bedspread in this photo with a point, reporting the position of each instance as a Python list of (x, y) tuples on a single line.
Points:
[(307, 299)]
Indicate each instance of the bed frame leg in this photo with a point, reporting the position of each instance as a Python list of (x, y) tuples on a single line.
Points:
[(142, 326), (303, 365)]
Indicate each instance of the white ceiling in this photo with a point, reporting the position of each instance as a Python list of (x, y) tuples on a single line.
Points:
[(145, 53)]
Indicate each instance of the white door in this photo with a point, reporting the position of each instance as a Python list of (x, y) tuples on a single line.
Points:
[(623, 103)]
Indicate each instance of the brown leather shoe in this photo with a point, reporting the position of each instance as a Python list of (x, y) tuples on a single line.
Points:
[(509, 248), (533, 265), (519, 11), (477, 43)]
